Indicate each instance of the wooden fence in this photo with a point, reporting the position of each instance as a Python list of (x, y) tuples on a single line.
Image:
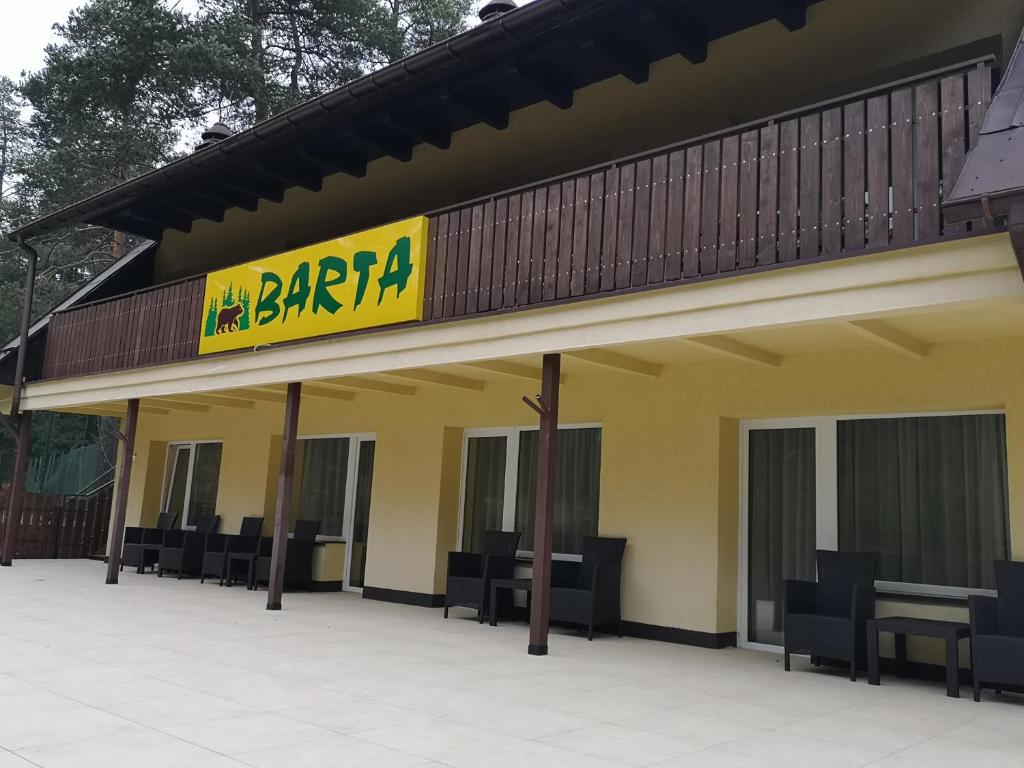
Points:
[(55, 526), (859, 174)]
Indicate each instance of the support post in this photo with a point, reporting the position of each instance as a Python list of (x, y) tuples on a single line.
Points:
[(17, 489), (127, 435), (544, 522), (26, 319), (284, 497)]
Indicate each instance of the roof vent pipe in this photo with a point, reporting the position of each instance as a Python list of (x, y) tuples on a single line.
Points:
[(496, 8), (216, 132)]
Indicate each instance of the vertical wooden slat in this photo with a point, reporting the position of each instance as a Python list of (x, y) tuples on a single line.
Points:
[(728, 215), (566, 224), (611, 227), (878, 171), (901, 140), (926, 159), (954, 129), (710, 208), (499, 281), (691, 212), (592, 280), (483, 302), (526, 222), (831, 181), (462, 272), (578, 253), (674, 216), (810, 185), (540, 220), (659, 210), (476, 236), (746, 248), (430, 266), (511, 281), (552, 229), (768, 196), (627, 190), (789, 179), (641, 224), (440, 267), (853, 176), (451, 263)]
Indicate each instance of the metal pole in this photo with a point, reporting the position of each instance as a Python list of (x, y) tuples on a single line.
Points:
[(543, 527), (131, 421), (284, 497), (17, 490)]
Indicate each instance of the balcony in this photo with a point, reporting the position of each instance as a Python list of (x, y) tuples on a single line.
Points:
[(860, 174)]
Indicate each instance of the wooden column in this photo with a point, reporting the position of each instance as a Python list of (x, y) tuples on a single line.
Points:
[(131, 422), (284, 497), (17, 489), (544, 523)]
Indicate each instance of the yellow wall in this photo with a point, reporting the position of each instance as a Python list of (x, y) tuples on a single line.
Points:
[(669, 464), (848, 44)]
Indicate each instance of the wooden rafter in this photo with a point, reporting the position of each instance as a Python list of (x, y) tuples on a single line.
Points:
[(438, 378), (606, 358), (736, 350), (371, 385), (880, 333)]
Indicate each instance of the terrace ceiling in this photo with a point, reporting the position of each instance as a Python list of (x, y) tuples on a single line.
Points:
[(544, 51)]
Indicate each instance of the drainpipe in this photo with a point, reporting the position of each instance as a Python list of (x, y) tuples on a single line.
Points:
[(26, 318)]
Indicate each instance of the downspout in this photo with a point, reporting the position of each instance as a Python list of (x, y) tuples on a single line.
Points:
[(26, 319)]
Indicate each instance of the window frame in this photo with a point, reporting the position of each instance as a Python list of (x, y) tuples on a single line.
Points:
[(508, 517), (356, 439), (169, 467), (827, 504)]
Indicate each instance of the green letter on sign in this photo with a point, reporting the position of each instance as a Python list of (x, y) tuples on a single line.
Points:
[(362, 261), (397, 270), (298, 291), (266, 305), (321, 295)]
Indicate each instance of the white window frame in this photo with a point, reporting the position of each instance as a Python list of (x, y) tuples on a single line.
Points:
[(356, 439), (826, 505), (508, 519), (169, 467)]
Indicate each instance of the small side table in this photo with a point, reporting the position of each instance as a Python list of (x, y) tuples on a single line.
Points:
[(901, 626), (523, 585)]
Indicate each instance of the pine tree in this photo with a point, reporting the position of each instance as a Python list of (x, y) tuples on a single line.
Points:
[(211, 319)]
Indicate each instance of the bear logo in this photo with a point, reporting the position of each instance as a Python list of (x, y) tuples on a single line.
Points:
[(227, 319)]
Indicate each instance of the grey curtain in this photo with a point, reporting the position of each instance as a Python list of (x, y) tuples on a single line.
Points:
[(205, 481), (577, 487), (928, 494), (485, 490), (321, 467), (781, 523), (361, 514)]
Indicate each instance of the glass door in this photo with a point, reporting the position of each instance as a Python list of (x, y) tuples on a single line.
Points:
[(359, 534), (780, 525), (483, 507), (193, 477)]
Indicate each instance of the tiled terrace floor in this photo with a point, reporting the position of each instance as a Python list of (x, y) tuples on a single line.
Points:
[(157, 672)]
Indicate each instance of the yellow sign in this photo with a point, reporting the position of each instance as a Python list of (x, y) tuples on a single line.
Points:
[(362, 280)]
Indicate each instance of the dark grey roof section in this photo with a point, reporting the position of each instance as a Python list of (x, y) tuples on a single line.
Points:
[(992, 178), (83, 294), (504, 64)]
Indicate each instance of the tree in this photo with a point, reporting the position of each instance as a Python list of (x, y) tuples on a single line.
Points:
[(406, 26)]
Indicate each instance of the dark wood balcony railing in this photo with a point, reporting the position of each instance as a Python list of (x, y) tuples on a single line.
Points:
[(860, 174)]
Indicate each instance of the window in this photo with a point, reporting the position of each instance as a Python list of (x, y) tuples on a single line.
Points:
[(500, 486), (192, 479), (321, 483), (928, 493)]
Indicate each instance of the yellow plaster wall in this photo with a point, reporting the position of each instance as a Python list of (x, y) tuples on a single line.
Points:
[(669, 465)]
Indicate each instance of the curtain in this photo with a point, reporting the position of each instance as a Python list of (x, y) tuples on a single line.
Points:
[(321, 468), (929, 494), (781, 530), (577, 487), (205, 481), (485, 490), (361, 513)]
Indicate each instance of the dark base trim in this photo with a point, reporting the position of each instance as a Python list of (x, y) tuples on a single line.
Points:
[(6, 564), (537, 650), (328, 586), (112, 579), (273, 606), (400, 596), (679, 636)]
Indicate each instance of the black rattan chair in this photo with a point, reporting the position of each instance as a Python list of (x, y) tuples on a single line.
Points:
[(997, 632), (470, 574), (137, 551), (827, 619), (219, 546), (588, 593), (182, 551), (298, 556)]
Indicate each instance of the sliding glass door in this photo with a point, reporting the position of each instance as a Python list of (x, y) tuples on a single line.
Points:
[(192, 479)]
